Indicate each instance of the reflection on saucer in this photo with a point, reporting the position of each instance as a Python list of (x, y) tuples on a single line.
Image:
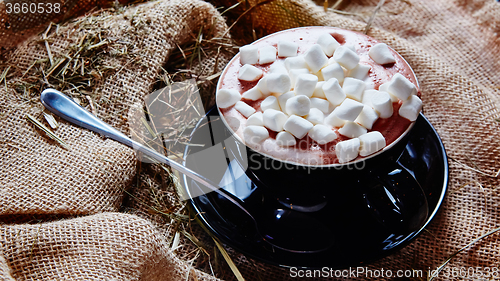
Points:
[(236, 182)]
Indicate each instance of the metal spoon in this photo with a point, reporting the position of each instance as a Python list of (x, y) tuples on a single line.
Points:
[(64, 107)]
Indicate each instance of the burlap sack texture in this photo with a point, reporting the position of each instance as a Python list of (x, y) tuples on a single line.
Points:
[(92, 165), (107, 246), (43, 181), (458, 102)]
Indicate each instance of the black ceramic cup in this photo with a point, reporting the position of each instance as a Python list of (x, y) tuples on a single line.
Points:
[(308, 188)]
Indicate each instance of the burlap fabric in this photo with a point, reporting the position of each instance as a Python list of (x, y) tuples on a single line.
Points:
[(453, 47)]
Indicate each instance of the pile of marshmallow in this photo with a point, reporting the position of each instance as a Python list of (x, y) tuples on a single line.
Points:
[(314, 92)]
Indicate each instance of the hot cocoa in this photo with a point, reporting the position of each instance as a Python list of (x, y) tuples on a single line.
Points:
[(318, 96)]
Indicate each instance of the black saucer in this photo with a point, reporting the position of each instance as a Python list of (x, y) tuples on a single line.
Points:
[(354, 230)]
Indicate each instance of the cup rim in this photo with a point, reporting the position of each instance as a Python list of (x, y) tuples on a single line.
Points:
[(334, 165)]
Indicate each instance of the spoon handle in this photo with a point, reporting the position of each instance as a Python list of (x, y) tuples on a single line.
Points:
[(64, 107)]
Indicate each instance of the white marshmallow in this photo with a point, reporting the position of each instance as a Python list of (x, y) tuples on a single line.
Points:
[(333, 92), (227, 97), (287, 49), (331, 108), (271, 102), (381, 54), (367, 117), (297, 126), (274, 119), (298, 105), (384, 88), (393, 97), (348, 110), (282, 99), (320, 104), (255, 134), (411, 108), (370, 143), (346, 57), (315, 116), (351, 47), (347, 150), (285, 139), (354, 88), (401, 87), (328, 44), (352, 130), (249, 72), (255, 119), (333, 71), (295, 73), (315, 58), (245, 109), (278, 67), (295, 63), (359, 72), (367, 97), (267, 54), (249, 54), (322, 134), (318, 90), (382, 103), (305, 85), (333, 120), (278, 83), (253, 94), (319, 75), (262, 86)]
